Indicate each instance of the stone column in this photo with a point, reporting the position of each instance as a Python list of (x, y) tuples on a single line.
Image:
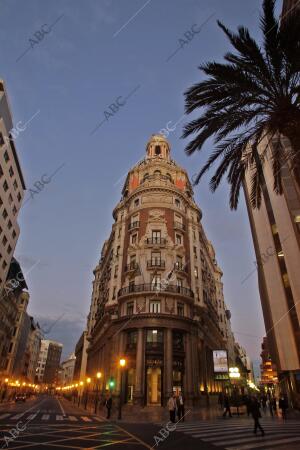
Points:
[(188, 370), (168, 363), (118, 349), (195, 367), (139, 369)]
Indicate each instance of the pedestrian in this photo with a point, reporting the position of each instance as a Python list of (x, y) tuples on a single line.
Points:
[(227, 406), (108, 404), (270, 406), (180, 407), (264, 402), (274, 404), (221, 400), (283, 405), (248, 404), (255, 411), (172, 408)]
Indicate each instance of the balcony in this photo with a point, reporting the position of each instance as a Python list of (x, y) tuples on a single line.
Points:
[(156, 241), (156, 263), (155, 288), (179, 226), (133, 225), (131, 266), (179, 267)]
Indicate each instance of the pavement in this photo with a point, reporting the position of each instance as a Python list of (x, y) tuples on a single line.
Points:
[(48, 422)]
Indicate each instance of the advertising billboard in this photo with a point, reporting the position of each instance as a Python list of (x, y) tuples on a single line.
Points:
[(220, 361)]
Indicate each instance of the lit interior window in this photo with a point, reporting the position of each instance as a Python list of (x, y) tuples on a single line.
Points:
[(280, 254), (297, 219)]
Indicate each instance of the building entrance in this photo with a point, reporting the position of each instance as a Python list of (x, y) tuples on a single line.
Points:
[(153, 386)]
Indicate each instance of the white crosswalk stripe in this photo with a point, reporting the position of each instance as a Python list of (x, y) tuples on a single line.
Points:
[(58, 417), (25, 417), (237, 434), (86, 419)]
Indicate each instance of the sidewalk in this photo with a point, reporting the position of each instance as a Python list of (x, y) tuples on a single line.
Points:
[(150, 414)]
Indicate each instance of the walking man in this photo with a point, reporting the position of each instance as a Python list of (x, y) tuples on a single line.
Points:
[(108, 404), (227, 406), (180, 407), (221, 400), (283, 405), (255, 411), (172, 408)]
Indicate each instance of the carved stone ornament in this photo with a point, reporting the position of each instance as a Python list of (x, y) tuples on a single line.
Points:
[(170, 309)]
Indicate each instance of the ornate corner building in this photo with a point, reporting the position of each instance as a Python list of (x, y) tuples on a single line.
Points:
[(154, 298)]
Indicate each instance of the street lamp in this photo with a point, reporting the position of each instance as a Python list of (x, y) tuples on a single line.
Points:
[(98, 376), (88, 381), (122, 364)]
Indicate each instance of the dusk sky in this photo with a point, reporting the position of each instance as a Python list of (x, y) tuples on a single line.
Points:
[(62, 80)]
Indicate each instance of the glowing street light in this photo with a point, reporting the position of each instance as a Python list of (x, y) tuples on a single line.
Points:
[(98, 375), (122, 364), (88, 380)]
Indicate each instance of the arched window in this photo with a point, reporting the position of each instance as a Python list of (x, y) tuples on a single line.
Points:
[(157, 150), (157, 172), (146, 176), (169, 177)]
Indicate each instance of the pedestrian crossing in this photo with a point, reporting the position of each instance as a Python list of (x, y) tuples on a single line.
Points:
[(48, 417), (237, 434)]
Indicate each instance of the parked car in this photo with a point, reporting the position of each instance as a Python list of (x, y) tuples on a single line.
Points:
[(20, 398)]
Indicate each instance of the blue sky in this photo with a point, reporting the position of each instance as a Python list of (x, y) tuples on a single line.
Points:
[(62, 80)]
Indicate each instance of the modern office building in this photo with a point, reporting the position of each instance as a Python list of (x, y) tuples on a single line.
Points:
[(49, 361), (276, 236), (11, 187), (155, 300)]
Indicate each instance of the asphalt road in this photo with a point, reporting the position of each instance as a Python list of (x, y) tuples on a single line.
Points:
[(52, 423)]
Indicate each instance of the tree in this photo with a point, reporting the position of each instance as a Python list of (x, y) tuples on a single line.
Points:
[(251, 99)]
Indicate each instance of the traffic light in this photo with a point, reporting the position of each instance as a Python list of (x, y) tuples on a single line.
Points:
[(111, 384)]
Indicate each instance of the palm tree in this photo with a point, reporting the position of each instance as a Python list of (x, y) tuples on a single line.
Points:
[(252, 98)]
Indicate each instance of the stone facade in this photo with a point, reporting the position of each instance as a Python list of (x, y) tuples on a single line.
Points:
[(154, 298)]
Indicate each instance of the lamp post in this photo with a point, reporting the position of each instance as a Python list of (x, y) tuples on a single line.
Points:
[(122, 364), (88, 380), (98, 376)]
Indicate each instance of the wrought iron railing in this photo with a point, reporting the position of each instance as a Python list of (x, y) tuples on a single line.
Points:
[(156, 288)]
